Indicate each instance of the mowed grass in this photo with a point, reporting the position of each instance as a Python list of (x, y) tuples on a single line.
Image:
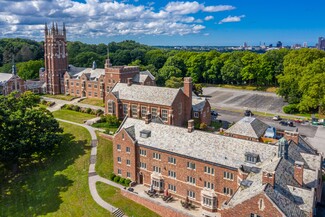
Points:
[(57, 187), (246, 87), (73, 116), (92, 101), (104, 163), (60, 96), (113, 196)]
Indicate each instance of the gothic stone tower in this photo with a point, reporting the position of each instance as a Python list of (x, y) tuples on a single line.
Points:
[(56, 59)]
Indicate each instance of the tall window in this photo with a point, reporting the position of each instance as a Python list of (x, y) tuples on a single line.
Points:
[(191, 165), (172, 174), (209, 170), (191, 194), (143, 111), (128, 162), (119, 172), (208, 185), (171, 160), (119, 160), (154, 112), (227, 191), (128, 150), (180, 108), (143, 165), (110, 107), (134, 109), (125, 109), (143, 152), (156, 169), (118, 147), (128, 174), (164, 115), (228, 175), (156, 156), (191, 180)]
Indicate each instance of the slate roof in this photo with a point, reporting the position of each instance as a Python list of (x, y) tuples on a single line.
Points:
[(147, 94), (92, 74), (209, 147), (142, 76), (4, 77), (248, 126), (198, 103)]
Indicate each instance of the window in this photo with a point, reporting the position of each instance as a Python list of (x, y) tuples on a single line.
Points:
[(209, 170), (128, 175), (196, 115), (227, 191), (156, 169), (228, 175), (95, 94), (89, 85), (72, 91), (119, 160), (208, 185), (95, 86), (125, 109), (154, 112), (156, 156), (118, 147), (171, 160), (172, 174), (191, 194), (255, 215), (143, 152), (78, 92), (101, 94), (110, 107), (119, 172), (143, 165), (143, 111), (251, 157), (172, 187), (134, 110), (128, 150), (77, 84), (128, 162), (191, 180), (164, 115), (191, 165), (71, 83), (89, 93), (211, 202)]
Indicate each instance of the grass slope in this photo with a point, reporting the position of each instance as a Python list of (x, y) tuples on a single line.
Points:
[(93, 101), (58, 187), (104, 163), (60, 96), (113, 196), (74, 116)]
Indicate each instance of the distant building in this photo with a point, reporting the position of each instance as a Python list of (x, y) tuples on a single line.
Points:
[(279, 44), (305, 45), (11, 82), (321, 43)]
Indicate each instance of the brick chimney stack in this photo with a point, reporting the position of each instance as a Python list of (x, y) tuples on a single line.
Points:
[(268, 177), (299, 172), (129, 81), (147, 119), (188, 93), (190, 126)]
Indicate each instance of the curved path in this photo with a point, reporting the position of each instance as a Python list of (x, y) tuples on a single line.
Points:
[(92, 175)]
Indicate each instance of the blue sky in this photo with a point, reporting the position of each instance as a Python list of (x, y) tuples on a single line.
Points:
[(210, 22)]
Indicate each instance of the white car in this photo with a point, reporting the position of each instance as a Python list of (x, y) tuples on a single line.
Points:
[(276, 118)]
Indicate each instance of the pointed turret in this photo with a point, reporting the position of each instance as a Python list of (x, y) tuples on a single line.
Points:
[(56, 29), (107, 63), (53, 29), (64, 31), (45, 29)]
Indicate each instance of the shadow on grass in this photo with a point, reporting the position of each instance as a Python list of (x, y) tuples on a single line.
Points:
[(36, 189)]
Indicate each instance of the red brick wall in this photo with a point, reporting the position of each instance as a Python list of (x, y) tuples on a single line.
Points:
[(10, 86), (252, 205), (157, 208)]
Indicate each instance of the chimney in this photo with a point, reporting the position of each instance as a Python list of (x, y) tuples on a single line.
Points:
[(268, 177), (188, 93), (290, 135), (190, 126), (147, 119), (129, 81), (299, 172)]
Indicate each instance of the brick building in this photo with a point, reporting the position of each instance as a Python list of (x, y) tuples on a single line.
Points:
[(168, 105), (222, 174), (11, 82)]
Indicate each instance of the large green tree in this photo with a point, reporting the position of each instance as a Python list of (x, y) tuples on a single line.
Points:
[(30, 69)]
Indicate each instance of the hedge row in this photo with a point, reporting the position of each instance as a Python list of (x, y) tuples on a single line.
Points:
[(120, 180), (77, 108)]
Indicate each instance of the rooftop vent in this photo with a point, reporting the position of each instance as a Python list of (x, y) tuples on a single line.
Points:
[(246, 183), (145, 133)]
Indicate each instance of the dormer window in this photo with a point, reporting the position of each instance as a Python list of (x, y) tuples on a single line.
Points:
[(145, 133), (251, 157)]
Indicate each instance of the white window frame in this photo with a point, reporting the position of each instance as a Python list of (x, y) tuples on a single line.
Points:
[(196, 115), (156, 156), (119, 160), (191, 165), (172, 174), (134, 111), (191, 180), (171, 160), (208, 170), (164, 115), (143, 152), (191, 194), (128, 162), (154, 111), (228, 175), (144, 110), (125, 108)]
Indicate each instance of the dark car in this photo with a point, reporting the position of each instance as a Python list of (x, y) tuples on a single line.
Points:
[(283, 123), (248, 113), (290, 124), (214, 113)]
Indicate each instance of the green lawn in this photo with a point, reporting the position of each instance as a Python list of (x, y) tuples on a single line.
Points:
[(113, 196), (74, 116), (245, 87), (104, 163), (58, 187), (105, 126), (92, 101), (60, 96)]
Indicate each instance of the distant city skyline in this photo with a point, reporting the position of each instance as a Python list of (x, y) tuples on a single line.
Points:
[(168, 23)]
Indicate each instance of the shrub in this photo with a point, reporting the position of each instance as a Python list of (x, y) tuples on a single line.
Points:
[(117, 179), (127, 182), (112, 176), (203, 126), (121, 181), (290, 109), (88, 110), (75, 108), (99, 112)]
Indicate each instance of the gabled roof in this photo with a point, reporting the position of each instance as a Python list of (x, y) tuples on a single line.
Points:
[(142, 76), (147, 94), (248, 126), (4, 77), (198, 103)]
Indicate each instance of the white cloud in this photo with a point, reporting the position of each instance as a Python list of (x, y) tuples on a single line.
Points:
[(231, 19), (218, 8), (207, 18), (94, 18)]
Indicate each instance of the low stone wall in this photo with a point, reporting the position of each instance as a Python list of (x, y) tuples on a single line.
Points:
[(154, 206), (106, 136)]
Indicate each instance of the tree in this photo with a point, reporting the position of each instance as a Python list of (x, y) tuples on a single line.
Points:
[(86, 59), (30, 69), (174, 82), (250, 69), (156, 58), (26, 132)]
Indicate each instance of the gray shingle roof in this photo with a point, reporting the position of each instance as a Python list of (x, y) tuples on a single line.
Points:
[(147, 94), (200, 145), (248, 126), (142, 76), (198, 103), (4, 77), (92, 74)]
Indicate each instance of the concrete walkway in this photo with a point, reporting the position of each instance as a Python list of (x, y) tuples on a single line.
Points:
[(92, 175)]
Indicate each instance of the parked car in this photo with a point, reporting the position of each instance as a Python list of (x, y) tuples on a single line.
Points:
[(283, 123), (290, 123), (277, 118), (298, 120), (248, 113), (214, 113)]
